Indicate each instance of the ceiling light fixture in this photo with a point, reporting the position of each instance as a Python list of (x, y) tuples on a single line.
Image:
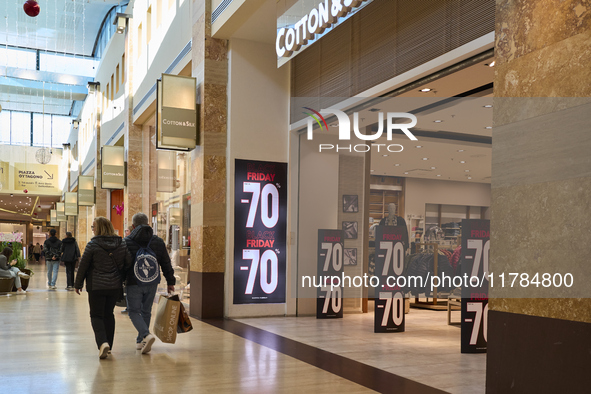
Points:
[(492, 64), (419, 146), (433, 168), (425, 158), (438, 121), (466, 170), (385, 155), (469, 177), (487, 106), (488, 127), (396, 165), (438, 174), (425, 90), (121, 22), (406, 173), (463, 162), (460, 150)]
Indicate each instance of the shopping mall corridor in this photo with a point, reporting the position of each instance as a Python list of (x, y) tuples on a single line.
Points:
[(47, 346)]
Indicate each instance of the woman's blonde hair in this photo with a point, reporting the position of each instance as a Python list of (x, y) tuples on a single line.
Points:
[(103, 226)]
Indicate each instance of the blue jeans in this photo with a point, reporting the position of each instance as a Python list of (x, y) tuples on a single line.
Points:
[(53, 267), (139, 308)]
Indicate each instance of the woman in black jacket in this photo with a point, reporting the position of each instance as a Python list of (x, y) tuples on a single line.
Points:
[(103, 265)]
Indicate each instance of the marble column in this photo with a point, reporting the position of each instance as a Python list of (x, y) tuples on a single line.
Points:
[(208, 172), (541, 188), (100, 204), (132, 198), (81, 228)]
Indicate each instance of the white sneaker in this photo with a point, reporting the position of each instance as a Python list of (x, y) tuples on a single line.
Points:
[(21, 291), (147, 343), (139, 346), (23, 275), (104, 351)]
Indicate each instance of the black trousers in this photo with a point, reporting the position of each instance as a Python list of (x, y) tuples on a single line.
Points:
[(102, 303), (70, 268), (37, 255)]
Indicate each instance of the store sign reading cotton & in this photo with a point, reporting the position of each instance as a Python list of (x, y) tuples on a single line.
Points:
[(325, 16)]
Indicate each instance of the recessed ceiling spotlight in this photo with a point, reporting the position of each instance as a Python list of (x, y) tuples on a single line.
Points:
[(487, 106), (438, 174), (385, 155), (491, 64), (425, 90), (460, 150), (469, 177), (463, 162), (372, 170), (419, 146), (396, 165), (488, 127), (466, 170), (432, 168), (425, 158), (438, 121), (406, 173)]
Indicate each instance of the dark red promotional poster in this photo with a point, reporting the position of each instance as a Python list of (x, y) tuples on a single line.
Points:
[(474, 260), (389, 300), (329, 301), (260, 232)]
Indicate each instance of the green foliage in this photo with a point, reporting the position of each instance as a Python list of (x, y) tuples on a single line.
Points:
[(17, 253)]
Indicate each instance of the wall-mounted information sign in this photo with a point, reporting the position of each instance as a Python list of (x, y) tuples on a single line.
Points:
[(71, 203), (86, 190), (329, 301), (60, 211), (260, 231), (113, 167), (176, 112), (474, 260), (166, 171), (389, 301)]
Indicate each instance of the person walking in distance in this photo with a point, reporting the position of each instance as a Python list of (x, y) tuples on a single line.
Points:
[(52, 247), (37, 252), (70, 254), (103, 266), (150, 255)]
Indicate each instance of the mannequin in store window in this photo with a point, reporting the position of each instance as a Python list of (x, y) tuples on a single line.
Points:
[(394, 220)]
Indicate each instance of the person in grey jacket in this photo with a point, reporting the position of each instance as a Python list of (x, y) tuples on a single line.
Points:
[(70, 254), (7, 270), (103, 266)]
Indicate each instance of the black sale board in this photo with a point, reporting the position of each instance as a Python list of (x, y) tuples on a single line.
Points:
[(329, 300), (260, 232), (389, 298), (474, 260)]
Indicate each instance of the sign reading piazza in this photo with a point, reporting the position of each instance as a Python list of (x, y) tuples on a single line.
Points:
[(36, 178)]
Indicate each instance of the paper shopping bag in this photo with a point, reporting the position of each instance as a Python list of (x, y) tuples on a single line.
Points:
[(184, 321), (167, 317)]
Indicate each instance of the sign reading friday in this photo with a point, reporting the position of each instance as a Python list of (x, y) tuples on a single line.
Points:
[(319, 19), (36, 177)]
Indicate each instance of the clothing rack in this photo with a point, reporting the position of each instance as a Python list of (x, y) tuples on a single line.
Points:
[(434, 304)]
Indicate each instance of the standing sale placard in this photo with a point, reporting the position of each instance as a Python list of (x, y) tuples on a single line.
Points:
[(474, 260), (389, 258), (329, 301), (260, 232)]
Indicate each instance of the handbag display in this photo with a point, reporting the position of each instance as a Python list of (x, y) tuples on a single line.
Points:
[(167, 318)]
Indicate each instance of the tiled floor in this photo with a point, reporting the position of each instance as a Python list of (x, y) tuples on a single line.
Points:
[(427, 352), (47, 346)]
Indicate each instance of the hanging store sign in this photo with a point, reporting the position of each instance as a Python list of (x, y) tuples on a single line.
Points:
[(53, 218), (474, 260), (329, 299), (389, 301), (294, 38), (86, 190), (60, 209), (36, 178), (166, 171), (4, 167), (176, 113), (71, 203), (260, 232), (113, 167)]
